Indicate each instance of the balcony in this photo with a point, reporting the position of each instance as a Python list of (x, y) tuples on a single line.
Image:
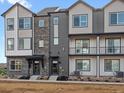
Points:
[(96, 51), (82, 51)]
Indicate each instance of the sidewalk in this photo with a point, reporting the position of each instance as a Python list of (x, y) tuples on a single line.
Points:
[(58, 82)]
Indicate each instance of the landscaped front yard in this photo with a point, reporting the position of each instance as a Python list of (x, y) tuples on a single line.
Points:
[(58, 88)]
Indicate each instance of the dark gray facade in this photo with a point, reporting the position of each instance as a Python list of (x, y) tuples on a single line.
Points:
[(42, 33), (59, 52)]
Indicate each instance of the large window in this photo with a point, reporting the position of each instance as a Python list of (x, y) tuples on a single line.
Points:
[(113, 46), (10, 44), (117, 18), (82, 46), (25, 23), (111, 65), (82, 65), (24, 43), (41, 23), (80, 20), (10, 24), (16, 65)]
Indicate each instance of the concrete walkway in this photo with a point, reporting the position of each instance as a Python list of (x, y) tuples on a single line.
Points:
[(58, 82)]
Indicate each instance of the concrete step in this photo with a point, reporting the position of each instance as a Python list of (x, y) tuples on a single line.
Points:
[(34, 77), (53, 78)]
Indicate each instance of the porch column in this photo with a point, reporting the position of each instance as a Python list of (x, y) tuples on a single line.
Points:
[(98, 58)]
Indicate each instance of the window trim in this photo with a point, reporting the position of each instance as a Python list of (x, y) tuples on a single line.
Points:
[(39, 23), (82, 47), (39, 43), (83, 70), (79, 15), (111, 59), (7, 24), (13, 44), (53, 20), (117, 18), (25, 28), (30, 43), (112, 38), (15, 65)]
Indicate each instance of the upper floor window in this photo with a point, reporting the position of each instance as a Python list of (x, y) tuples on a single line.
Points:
[(10, 44), (25, 23), (10, 24), (41, 43), (56, 20), (41, 23), (80, 20), (113, 46), (82, 46), (117, 18), (24, 43)]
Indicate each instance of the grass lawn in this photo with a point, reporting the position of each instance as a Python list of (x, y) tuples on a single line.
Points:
[(7, 87)]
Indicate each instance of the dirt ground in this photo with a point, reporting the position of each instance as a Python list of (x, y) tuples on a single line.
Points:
[(58, 88)]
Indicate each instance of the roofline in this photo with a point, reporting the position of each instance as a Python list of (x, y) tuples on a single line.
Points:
[(17, 4), (80, 1), (58, 12)]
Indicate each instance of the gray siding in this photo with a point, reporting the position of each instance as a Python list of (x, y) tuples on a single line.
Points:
[(60, 50), (24, 70), (98, 21)]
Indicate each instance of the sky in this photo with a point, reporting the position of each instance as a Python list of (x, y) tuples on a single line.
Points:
[(35, 6)]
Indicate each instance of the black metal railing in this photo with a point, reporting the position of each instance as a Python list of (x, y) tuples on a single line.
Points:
[(95, 50)]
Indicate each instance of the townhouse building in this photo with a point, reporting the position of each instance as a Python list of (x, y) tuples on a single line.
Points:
[(60, 41)]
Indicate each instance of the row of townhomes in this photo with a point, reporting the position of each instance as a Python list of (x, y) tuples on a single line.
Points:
[(58, 41)]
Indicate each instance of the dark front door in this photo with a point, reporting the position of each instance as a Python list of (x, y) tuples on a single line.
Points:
[(55, 67), (36, 68)]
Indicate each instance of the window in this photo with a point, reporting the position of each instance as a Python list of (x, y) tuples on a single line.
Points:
[(117, 18), (82, 46), (111, 65), (41, 43), (24, 43), (25, 23), (113, 46), (10, 24), (16, 65), (55, 20), (80, 20), (83, 65), (41, 23), (56, 40), (10, 44)]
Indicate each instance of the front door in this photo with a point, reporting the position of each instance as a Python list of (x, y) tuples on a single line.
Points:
[(55, 67), (36, 68)]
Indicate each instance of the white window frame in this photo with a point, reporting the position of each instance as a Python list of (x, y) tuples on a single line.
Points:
[(24, 46), (29, 22), (56, 20), (41, 23), (81, 21), (112, 70), (82, 62), (12, 19), (41, 43), (16, 66), (118, 23), (11, 42)]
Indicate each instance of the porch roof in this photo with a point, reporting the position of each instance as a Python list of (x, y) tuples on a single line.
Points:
[(35, 57)]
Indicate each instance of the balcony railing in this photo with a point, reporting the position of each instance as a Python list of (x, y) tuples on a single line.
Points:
[(95, 50), (82, 50)]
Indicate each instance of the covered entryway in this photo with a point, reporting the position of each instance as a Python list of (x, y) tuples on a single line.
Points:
[(55, 66), (35, 65)]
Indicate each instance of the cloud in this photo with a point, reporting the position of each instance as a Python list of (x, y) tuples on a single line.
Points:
[(22, 2)]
